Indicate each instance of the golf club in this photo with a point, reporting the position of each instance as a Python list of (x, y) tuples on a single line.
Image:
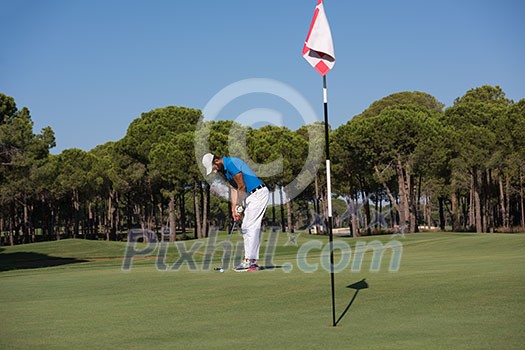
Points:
[(221, 269)]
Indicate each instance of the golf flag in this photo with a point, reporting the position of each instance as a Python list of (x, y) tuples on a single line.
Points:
[(318, 47), (318, 50)]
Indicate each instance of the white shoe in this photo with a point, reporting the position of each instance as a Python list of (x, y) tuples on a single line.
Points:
[(245, 265)]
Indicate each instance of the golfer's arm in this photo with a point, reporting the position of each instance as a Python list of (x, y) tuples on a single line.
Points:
[(234, 193), (240, 192)]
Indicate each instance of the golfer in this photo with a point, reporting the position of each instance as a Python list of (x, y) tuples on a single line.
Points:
[(249, 197)]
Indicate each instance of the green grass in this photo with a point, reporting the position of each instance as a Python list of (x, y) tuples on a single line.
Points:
[(452, 291)]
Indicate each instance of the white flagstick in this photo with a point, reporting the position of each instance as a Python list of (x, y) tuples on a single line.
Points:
[(327, 140), (329, 187)]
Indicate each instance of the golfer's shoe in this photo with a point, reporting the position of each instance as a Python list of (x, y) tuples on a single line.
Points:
[(245, 265), (253, 268)]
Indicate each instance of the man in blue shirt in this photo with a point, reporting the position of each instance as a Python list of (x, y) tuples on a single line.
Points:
[(249, 197)]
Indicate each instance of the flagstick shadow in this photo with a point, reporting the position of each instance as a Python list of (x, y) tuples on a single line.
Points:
[(357, 286)]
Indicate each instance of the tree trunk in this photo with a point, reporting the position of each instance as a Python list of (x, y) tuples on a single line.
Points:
[(352, 222), (366, 206), (464, 208), (429, 212), (96, 223), (208, 208), (422, 210), (455, 212), (377, 209), (355, 215), (283, 225), (392, 213), (503, 203), (403, 195), (393, 203), (414, 204), (149, 211), (380, 200), (25, 224), (160, 207), (205, 206), (522, 201), (129, 212), (413, 199), (115, 217), (11, 229), (273, 207), (173, 232), (54, 224), (477, 204), (201, 203), (109, 218), (289, 210), (507, 196), (442, 212), (318, 228), (76, 206), (197, 208), (472, 202), (487, 221), (90, 225), (182, 209)]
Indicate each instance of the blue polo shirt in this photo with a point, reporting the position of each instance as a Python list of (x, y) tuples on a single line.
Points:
[(233, 166)]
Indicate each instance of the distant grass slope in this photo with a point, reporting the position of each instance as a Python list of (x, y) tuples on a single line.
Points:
[(452, 291), (72, 248), (58, 253)]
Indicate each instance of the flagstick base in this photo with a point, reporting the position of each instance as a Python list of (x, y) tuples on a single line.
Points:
[(332, 276)]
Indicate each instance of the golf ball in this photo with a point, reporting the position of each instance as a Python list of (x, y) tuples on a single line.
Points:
[(221, 270)]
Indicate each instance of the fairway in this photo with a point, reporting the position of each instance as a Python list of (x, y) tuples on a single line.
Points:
[(452, 291)]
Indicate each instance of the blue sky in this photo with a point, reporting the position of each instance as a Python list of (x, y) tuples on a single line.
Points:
[(87, 68)]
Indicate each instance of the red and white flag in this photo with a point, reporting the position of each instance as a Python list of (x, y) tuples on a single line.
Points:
[(318, 47)]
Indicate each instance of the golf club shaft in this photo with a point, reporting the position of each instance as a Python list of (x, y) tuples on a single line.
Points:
[(229, 238), (233, 228)]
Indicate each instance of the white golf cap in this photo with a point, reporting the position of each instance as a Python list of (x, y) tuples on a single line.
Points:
[(207, 161)]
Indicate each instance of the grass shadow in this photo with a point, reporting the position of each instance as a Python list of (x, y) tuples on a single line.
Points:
[(27, 260), (357, 287)]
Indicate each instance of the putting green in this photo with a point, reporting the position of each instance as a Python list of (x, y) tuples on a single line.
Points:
[(452, 291)]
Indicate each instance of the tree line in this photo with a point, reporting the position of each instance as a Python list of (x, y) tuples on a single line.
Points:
[(403, 163)]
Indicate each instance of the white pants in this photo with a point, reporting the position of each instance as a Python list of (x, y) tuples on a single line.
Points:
[(251, 224)]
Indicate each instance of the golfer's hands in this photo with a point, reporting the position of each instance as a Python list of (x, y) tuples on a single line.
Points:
[(237, 212), (236, 216)]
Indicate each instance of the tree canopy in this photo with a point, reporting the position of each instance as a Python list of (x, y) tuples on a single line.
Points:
[(404, 163)]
